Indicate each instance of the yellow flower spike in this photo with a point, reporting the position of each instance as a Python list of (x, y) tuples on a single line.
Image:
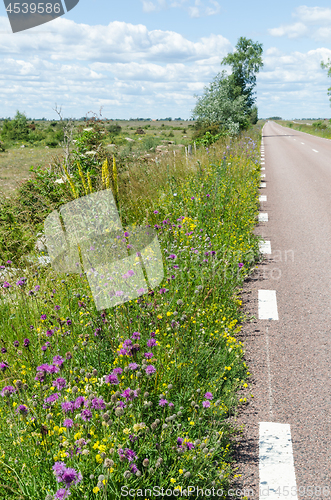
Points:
[(81, 175), (115, 178), (73, 189), (89, 182)]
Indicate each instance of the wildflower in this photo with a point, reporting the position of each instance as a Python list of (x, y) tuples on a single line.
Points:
[(58, 360), (206, 404), (148, 355), (118, 371), (7, 390), (62, 494), (135, 336), (172, 256), (57, 307), (26, 342), (127, 343), (3, 350), (240, 264), (49, 333), (68, 423), (98, 404), (86, 415), (150, 370), (208, 395), (155, 212), (22, 409), (151, 342), (69, 322), (21, 282), (179, 441), (68, 406), (112, 379), (60, 383), (79, 402), (52, 398), (163, 402), (129, 394), (6, 284), (43, 317), (37, 287), (68, 355), (3, 366), (16, 343), (133, 366), (162, 290)]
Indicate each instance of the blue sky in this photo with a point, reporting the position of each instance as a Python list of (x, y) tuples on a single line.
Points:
[(148, 58)]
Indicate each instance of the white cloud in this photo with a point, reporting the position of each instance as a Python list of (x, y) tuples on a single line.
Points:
[(195, 8), (312, 22), (122, 66), (294, 81)]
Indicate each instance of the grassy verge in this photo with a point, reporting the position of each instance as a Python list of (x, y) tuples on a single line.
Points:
[(138, 396), (319, 128)]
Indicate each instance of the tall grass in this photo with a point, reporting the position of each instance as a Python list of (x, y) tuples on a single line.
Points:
[(137, 396)]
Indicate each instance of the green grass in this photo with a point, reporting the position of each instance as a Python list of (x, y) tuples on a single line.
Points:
[(309, 128), (204, 210)]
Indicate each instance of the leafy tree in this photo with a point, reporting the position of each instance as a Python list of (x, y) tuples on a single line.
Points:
[(327, 66), (246, 61), (219, 106), (16, 129)]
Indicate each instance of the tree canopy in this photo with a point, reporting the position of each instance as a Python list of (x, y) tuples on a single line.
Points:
[(229, 100)]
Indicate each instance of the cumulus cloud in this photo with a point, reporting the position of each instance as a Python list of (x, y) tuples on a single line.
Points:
[(121, 66), (293, 81), (312, 22), (195, 9)]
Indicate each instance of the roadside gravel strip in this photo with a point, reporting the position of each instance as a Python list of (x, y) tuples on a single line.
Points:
[(286, 438)]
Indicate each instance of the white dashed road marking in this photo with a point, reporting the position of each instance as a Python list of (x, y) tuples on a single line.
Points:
[(302, 143), (262, 176), (262, 168), (263, 197), (263, 217), (267, 304), (263, 185), (262, 162), (265, 247), (276, 464), (315, 150)]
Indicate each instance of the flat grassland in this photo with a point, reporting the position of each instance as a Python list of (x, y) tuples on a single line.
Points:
[(16, 161)]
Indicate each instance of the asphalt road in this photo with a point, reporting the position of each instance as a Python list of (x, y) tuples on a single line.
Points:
[(290, 358)]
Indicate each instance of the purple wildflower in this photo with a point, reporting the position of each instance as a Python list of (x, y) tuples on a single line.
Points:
[(179, 441), (98, 404), (22, 409), (61, 494), (52, 398), (68, 406), (68, 423), (6, 284), (127, 343), (37, 287), (49, 333), (79, 402), (112, 379), (155, 212), (26, 342), (16, 343), (60, 383), (43, 316), (86, 414), (58, 360), (57, 307), (8, 389), (133, 366), (172, 256), (3, 350), (148, 355), (135, 336), (206, 404), (189, 445), (151, 342), (240, 264), (133, 468), (69, 322), (3, 366), (208, 395), (163, 402), (130, 454), (150, 370), (128, 394), (122, 352)]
